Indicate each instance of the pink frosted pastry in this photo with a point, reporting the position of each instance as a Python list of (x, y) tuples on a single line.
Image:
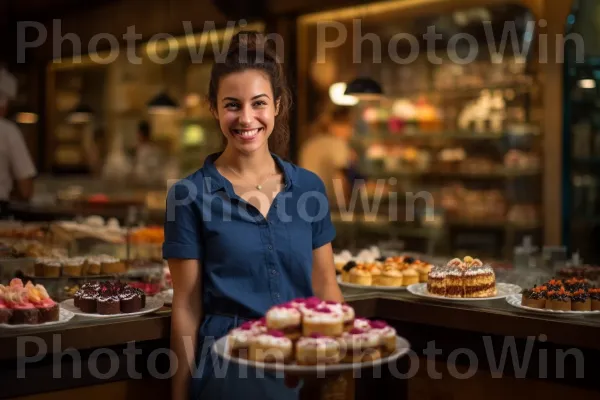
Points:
[(347, 312), (317, 350), (48, 309), (387, 336), (285, 318), (324, 320), (362, 323), (239, 338), (271, 347), (359, 345), (24, 312)]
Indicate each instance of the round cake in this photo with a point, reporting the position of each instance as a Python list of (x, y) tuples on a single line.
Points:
[(26, 304), (467, 278)]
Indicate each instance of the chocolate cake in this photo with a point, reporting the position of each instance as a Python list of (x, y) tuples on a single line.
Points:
[(131, 301), (88, 300), (25, 314), (5, 314), (108, 304), (109, 297)]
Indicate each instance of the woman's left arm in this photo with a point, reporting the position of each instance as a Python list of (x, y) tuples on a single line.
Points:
[(324, 280)]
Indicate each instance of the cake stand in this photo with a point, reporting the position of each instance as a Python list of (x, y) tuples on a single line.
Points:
[(319, 382)]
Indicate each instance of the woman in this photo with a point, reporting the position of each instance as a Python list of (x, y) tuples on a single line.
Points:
[(246, 231)]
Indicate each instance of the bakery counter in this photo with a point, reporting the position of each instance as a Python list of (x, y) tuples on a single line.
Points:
[(457, 349)]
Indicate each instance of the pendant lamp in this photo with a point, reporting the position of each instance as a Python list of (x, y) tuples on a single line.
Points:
[(80, 114), (364, 88), (162, 103)]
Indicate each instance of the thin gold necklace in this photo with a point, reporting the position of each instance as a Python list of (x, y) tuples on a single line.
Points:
[(258, 186)]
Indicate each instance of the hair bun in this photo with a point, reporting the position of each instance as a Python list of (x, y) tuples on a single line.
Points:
[(251, 42)]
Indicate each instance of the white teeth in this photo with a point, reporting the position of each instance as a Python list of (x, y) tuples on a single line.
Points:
[(249, 133)]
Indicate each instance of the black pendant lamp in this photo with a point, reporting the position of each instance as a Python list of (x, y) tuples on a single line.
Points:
[(364, 88), (162, 103)]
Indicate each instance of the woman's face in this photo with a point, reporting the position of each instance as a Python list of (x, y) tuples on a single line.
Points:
[(246, 110)]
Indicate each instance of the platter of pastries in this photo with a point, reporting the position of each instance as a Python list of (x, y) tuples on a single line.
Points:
[(28, 305), (468, 279), (384, 273), (574, 296), (110, 299), (308, 335)]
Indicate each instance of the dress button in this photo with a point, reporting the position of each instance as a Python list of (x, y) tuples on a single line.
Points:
[(273, 272), (270, 247)]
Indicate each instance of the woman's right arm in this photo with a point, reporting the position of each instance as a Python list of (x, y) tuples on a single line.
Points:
[(186, 317)]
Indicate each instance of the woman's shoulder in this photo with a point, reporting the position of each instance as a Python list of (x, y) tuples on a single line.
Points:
[(192, 184), (305, 178)]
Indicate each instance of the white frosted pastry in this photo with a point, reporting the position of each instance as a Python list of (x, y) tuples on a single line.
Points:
[(317, 349), (359, 345), (348, 314), (239, 338), (323, 320), (271, 347), (285, 318), (362, 323), (387, 336)]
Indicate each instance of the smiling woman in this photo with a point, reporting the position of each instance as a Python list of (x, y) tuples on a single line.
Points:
[(247, 231)]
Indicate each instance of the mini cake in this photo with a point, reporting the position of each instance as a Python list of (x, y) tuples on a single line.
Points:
[(454, 282), (52, 268), (595, 298), (362, 323), (48, 310), (271, 347), (5, 313), (130, 300), (387, 336), (323, 320), (409, 277), (23, 311), (285, 318), (108, 304), (239, 338), (93, 266), (73, 267), (424, 269), (111, 265), (375, 271), (390, 276), (317, 349), (347, 313), (534, 298), (88, 301), (580, 301), (558, 300), (360, 276), (479, 281), (436, 282), (575, 284), (346, 270), (359, 345), (38, 266), (554, 284)]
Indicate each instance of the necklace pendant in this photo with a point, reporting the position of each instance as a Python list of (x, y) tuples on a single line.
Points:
[(259, 187)]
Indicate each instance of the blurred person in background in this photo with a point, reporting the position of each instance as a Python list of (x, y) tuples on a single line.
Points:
[(149, 158), (16, 166), (329, 155)]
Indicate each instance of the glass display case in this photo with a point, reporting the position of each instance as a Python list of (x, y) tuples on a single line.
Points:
[(451, 155)]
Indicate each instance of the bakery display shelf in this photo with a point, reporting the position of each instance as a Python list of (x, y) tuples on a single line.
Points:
[(499, 173), (389, 227), (386, 137), (484, 222), (76, 278), (527, 86)]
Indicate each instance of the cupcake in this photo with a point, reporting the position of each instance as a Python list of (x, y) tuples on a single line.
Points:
[(239, 338), (285, 318), (534, 298), (52, 268), (423, 271), (360, 276), (92, 266), (130, 301), (317, 350), (88, 301), (323, 320), (391, 276), (347, 312), (359, 345), (73, 267), (410, 277), (271, 347), (38, 266), (558, 300), (375, 271), (595, 298), (111, 265), (346, 270), (387, 336), (580, 301)]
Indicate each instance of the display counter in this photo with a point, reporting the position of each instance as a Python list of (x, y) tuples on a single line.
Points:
[(457, 349)]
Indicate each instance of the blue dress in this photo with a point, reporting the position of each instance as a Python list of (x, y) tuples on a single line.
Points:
[(249, 263)]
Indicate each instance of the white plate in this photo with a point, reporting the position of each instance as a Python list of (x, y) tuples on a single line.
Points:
[(166, 296), (220, 348), (364, 287), (152, 304), (503, 290), (64, 316), (515, 301)]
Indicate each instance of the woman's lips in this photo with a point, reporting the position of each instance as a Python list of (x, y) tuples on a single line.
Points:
[(247, 134)]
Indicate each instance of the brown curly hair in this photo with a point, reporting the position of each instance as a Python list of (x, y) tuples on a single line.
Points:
[(250, 50)]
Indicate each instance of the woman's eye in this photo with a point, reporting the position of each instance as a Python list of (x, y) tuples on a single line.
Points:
[(260, 103), (231, 105)]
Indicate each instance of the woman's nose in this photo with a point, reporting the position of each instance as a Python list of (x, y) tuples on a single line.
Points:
[(246, 116)]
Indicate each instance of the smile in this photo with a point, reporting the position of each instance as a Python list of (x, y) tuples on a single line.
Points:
[(247, 133)]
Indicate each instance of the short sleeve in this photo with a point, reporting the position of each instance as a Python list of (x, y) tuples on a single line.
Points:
[(182, 223), (21, 163), (323, 231)]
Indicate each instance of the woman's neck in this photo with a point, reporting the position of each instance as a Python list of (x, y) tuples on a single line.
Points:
[(257, 163)]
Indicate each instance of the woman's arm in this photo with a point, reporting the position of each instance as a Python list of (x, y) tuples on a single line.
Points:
[(185, 319), (324, 281)]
